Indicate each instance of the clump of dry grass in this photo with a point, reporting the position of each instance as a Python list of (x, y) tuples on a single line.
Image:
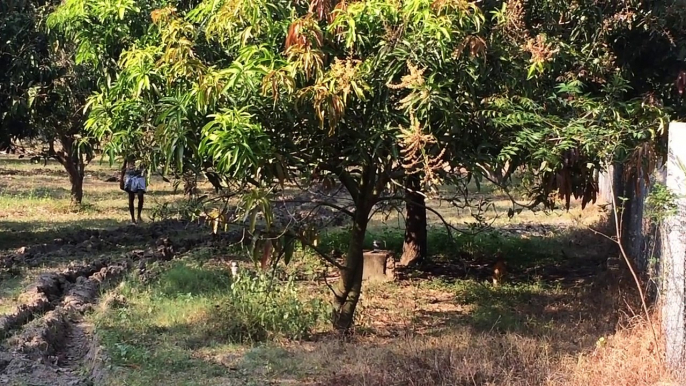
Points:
[(594, 339), (466, 357), (459, 357), (629, 357)]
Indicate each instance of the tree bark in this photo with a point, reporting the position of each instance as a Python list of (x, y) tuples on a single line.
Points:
[(415, 244), (349, 287), (76, 179)]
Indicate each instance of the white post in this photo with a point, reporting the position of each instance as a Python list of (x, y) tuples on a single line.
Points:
[(674, 252)]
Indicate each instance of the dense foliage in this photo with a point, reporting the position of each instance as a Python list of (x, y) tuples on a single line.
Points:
[(600, 82), (21, 38)]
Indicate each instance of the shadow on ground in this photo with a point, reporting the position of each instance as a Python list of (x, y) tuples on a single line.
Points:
[(533, 253), (16, 234), (509, 336)]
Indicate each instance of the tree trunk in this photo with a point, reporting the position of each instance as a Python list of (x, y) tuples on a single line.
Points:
[(73, 164), (415, 245), (348, 288), (76, 179)]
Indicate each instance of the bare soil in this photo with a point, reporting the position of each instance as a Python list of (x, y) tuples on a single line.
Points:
[(47, 342)]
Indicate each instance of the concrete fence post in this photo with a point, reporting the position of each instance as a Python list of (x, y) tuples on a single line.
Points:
[(674, 254)]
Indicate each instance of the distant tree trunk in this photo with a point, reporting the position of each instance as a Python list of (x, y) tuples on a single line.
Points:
[(76, 179), (74, 164), (415, 245)]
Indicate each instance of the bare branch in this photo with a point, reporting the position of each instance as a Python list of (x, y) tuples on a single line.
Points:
[(627, 260), (327, 282), (322, 203), (449, 227), (346, 179), (514, 201)]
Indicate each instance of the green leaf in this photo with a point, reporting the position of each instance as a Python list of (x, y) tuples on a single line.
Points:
[(289, 248)]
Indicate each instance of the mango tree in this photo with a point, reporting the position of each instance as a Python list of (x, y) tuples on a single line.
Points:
[(42, 90), (366, 93), (91, 36)]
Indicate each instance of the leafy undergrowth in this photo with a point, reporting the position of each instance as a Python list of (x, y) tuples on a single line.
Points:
[(159, 329)]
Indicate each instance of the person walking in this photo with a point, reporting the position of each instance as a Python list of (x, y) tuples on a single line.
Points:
[(132, 181)]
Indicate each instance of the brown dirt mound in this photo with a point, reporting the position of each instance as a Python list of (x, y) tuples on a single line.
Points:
[(51, 351), (54, 344), (40, 296), (47, 337)]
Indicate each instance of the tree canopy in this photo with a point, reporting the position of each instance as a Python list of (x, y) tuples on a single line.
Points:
[(23, 54)]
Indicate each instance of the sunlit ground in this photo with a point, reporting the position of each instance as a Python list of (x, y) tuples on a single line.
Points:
[(187, 326)]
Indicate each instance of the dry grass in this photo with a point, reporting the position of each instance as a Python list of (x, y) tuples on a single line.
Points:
[(466, 357), (36, 195), (569, 354), (630, 357)]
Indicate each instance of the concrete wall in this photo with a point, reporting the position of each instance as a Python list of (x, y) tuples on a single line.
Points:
[(659, 250), (674, 253)]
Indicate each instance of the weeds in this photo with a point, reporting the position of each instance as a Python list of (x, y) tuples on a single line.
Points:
[(203, 307), (264, 310)]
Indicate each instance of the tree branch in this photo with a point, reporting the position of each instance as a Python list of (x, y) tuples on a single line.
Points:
[(52, 153), (322, 203), (349, 182), (319, 251), (381, 180), (529, 206), (446, 224)]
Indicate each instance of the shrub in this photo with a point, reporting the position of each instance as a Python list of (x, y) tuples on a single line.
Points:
[(260, 309)]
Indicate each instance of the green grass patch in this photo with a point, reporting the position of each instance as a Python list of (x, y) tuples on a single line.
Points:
[(183, 279), (518, 251), (506, 308), (158, 326), (10, 288)]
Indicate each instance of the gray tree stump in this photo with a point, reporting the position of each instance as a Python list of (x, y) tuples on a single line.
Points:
[(378, 266)]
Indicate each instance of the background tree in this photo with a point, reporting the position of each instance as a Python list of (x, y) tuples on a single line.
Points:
[(42, 91), (587, 98), (21, 51), (415, 247), (555, 63)]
